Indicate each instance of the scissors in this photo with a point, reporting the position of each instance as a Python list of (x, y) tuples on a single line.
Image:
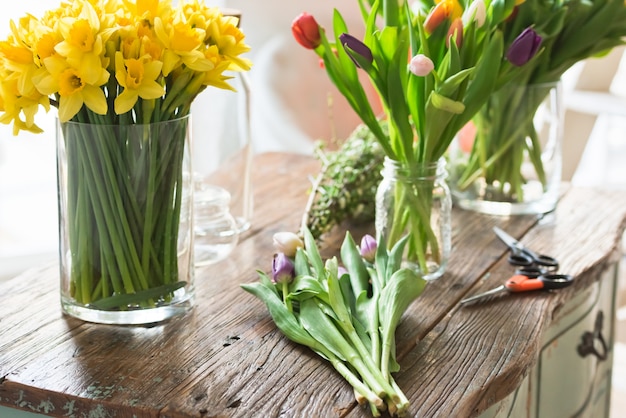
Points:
[(522, 256), (525, 281)]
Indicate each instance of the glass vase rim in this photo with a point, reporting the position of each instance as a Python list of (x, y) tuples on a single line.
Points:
[(129, 125), (416, 170), (399, 163)]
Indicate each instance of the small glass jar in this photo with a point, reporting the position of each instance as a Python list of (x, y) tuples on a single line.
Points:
[(414, 201), (216, 231)]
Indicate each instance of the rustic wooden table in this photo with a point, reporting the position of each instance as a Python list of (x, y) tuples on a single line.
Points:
[(227, 359)]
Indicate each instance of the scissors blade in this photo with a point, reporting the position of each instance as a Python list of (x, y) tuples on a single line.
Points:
[(491, 292), (507, 239)]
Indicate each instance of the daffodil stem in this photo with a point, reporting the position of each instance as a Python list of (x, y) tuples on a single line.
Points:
[(124, 199)]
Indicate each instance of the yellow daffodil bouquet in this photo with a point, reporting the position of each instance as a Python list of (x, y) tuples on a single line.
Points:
[(433, 65), (123, 75)]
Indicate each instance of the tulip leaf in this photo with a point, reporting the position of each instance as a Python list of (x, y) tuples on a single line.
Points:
[(355, 265), (301, 263), (313, 253), (446, 104), (284, 320), (394, 259), (388, 40), (403, 287), (323, 329), (337, 302), (264, 278), (451, 84), (381, 260), (304, 287), (501, 9)]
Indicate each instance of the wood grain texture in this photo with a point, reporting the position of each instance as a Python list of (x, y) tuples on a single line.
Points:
[(227, 359)]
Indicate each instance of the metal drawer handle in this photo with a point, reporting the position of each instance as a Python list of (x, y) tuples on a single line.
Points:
[(588, 344)]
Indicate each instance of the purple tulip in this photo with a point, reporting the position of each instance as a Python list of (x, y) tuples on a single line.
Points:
[(524, 47), (368, 248), (356, 49), (282, 269)]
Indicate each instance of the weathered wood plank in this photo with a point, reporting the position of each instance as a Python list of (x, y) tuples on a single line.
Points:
[(226, 358)]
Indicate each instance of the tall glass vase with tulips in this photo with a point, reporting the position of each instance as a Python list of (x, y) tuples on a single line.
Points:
[(123, 76), (505, 166), (433, 67)]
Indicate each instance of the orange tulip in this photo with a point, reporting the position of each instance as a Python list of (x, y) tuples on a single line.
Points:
[(456, 28), (444, 10)]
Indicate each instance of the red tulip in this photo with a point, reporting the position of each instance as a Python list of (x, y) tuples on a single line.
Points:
[(306, 31)]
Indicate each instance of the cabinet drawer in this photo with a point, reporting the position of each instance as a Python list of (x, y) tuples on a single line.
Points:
[(573, 372), (572, 377)]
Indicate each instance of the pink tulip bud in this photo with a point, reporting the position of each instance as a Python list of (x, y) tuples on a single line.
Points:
[(421, 65), (368, 248)]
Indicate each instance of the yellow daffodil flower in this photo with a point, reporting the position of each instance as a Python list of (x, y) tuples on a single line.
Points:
[(182, 46), (138, 77), (73, 87), (216, 77), (224, 33), (18, 108)]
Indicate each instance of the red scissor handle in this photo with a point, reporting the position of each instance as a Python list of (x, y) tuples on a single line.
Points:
[(521, 283)]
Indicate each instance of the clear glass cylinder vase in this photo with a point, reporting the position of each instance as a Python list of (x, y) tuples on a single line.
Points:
[(508, 160), (125, 221), (413, 202)]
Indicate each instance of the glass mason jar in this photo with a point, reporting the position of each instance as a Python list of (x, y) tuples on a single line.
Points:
[(215, 229), (508, 160), (125, 221), (415, 202)]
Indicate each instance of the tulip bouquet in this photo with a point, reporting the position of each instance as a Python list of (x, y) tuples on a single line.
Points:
[(433, 67), (346, 313), (506, 153), (123, 76)]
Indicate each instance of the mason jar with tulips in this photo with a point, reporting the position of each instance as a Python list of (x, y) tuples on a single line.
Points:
[(508, 159), (433, 67)]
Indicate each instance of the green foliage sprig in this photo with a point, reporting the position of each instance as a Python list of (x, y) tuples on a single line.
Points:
[(345, 188)]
